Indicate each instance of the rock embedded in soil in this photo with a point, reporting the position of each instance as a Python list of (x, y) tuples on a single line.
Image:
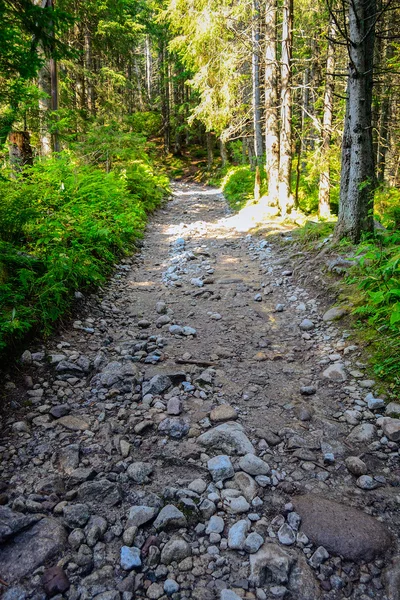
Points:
[(73, 423), (340, 529), (356, 466), (229, 438), (270, 563), (237, 535), (307, 325), (130, 558), (55, 581), (157, 385), (170, 517), (175, 550), (335, 372), (391, 428), (31, 548), (139, 515), (362, 434), (253, 465), (223, 412), (334, 314), (220, 468), (139, 472)]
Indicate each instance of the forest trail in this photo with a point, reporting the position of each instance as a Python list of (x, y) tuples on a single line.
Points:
[(191, 434)]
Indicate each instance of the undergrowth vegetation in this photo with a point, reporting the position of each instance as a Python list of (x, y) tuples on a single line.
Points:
[(65, 221), (372, 285)]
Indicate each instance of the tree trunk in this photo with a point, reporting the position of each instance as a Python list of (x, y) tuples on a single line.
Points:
[(383, 131), (358, 180), (91, 105), (210, 149), (258, 140), (44, 85), (324, 209), (223, 153), (165, 100), (20, 150), (271, 105), (285, 152), (148, 67)]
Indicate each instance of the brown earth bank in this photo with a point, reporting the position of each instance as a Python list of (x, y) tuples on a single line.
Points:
[(205, 430)]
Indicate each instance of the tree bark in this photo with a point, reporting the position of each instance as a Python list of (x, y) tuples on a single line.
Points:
[(91, 104), (44, 85), (357, 169), (271, 105), (258, 141), (223, 153), (20, 150), (258, 138), (148, 67), (324, 209), (210, 149), (285, 152), (165, 99), (383, 130)]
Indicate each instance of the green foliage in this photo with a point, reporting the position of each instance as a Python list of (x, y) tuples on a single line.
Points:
[(308, 189), (313, 231), (238, 186), (63, 224), (378, 278), (27, 32), (387, 206)]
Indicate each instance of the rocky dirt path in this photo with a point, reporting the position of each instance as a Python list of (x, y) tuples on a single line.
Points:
[(203, 431)]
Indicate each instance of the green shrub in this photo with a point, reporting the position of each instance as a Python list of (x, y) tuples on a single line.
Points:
[(238, 186), (387, 206), (62, 226)]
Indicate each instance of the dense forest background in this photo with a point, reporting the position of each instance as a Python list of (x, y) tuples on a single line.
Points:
[(288, 104)]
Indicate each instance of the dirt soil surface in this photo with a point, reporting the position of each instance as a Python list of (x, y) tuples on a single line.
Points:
[(204, 429)]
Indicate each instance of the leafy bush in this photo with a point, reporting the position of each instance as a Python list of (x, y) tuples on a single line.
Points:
[(238, 186), (387, 206), (378, 278), (62, 226)]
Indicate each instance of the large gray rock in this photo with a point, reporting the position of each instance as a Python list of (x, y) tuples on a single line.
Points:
[(175, 550), (391, 428), (174, 427), (157, 385), (341, 529), (12, 522), (335, 313), (302, 582), (101, 492), (270, 563), (246, 485), (393, 409), (139, 515), (391, 579), (253, 465), (228, 438), (220, 468), (76, 515), (237, 534), (362, 434), (31, 548), (121, 376), (68, 458), (335, 372), (139, 472), (170, 517), (74, 423)]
